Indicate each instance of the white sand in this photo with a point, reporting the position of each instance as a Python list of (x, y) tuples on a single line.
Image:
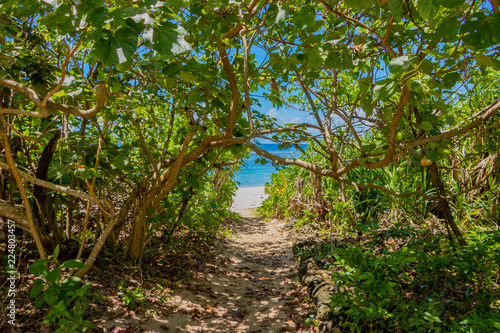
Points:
[(248, 197)]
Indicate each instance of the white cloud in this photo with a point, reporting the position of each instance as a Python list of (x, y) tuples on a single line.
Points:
[(272, 113), (284, 117)]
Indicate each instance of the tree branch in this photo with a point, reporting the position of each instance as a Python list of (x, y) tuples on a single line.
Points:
[(35, 98), (361, 24), (235, 94), (55, 187), (15, 213)]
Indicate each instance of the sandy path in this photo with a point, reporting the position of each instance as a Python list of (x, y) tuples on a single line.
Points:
[(252, 289)]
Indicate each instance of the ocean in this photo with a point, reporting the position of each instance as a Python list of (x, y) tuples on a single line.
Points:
[(255, 174)]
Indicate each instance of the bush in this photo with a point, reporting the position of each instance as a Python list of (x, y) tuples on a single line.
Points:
[(419, 287), (65, 297)]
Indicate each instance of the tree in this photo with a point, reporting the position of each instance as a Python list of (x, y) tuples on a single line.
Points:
[(392, 81), (150, 95)]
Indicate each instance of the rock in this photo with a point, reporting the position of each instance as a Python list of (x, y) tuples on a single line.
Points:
[(319, 284)]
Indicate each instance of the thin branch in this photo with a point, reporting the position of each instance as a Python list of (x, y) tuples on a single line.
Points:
[(289, 161), (235, 94), (52, 186), (63, 75), (22, 190), (144, 145), (252, 11), (361, 24), (247, 47)]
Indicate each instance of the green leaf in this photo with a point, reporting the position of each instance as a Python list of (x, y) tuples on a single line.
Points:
[(450, 79), (316, 58), (167, 38), (117, 48), (96, 16), (61, 19), (120, 162), (438, 55), (385, 89), (482, 31), (39, 301), (419, 84), (55, 253), (70, 282), (452, 3), (305, 18), (194, 182), (339, 60), (396, 9), (426, 66), (73, 263), (426, 126), (448, 29), (115, 86), (368, 148), (38, 268), (38, 285), (428, 8), (50, 297), (433, 155), (187, 221), (333, 60), (54, 275), (187, 76), (400, 64), (359, 4), (488, 61)]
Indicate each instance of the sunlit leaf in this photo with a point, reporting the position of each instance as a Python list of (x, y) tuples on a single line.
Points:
[(117, 47), (385, 89), (426, 125), (167, 38), (73, 263), (187, 76), (400, 64)]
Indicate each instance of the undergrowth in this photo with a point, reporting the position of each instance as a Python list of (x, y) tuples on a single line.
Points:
[(393, 258), (405, 279)]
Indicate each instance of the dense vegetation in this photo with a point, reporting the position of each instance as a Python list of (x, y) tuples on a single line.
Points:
[(398, 269), (123, 120)]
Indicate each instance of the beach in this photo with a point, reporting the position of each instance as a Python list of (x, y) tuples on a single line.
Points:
[(248, 197)]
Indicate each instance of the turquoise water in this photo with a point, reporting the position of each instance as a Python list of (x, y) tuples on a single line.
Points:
[(255, 174)]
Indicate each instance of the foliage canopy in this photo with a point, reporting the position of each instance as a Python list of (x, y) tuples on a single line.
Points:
[(145, 106)]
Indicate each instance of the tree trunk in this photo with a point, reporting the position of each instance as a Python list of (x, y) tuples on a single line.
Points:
[(448, 216), (138, 233), (3, 238), (71, 200), (41, 209)]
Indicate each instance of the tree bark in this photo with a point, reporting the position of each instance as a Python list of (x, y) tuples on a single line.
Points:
[(448, 216), (41, 209), (15, 213), (138, 234)]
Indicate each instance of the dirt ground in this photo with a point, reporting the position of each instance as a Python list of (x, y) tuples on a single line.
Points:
[(251, 288)]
